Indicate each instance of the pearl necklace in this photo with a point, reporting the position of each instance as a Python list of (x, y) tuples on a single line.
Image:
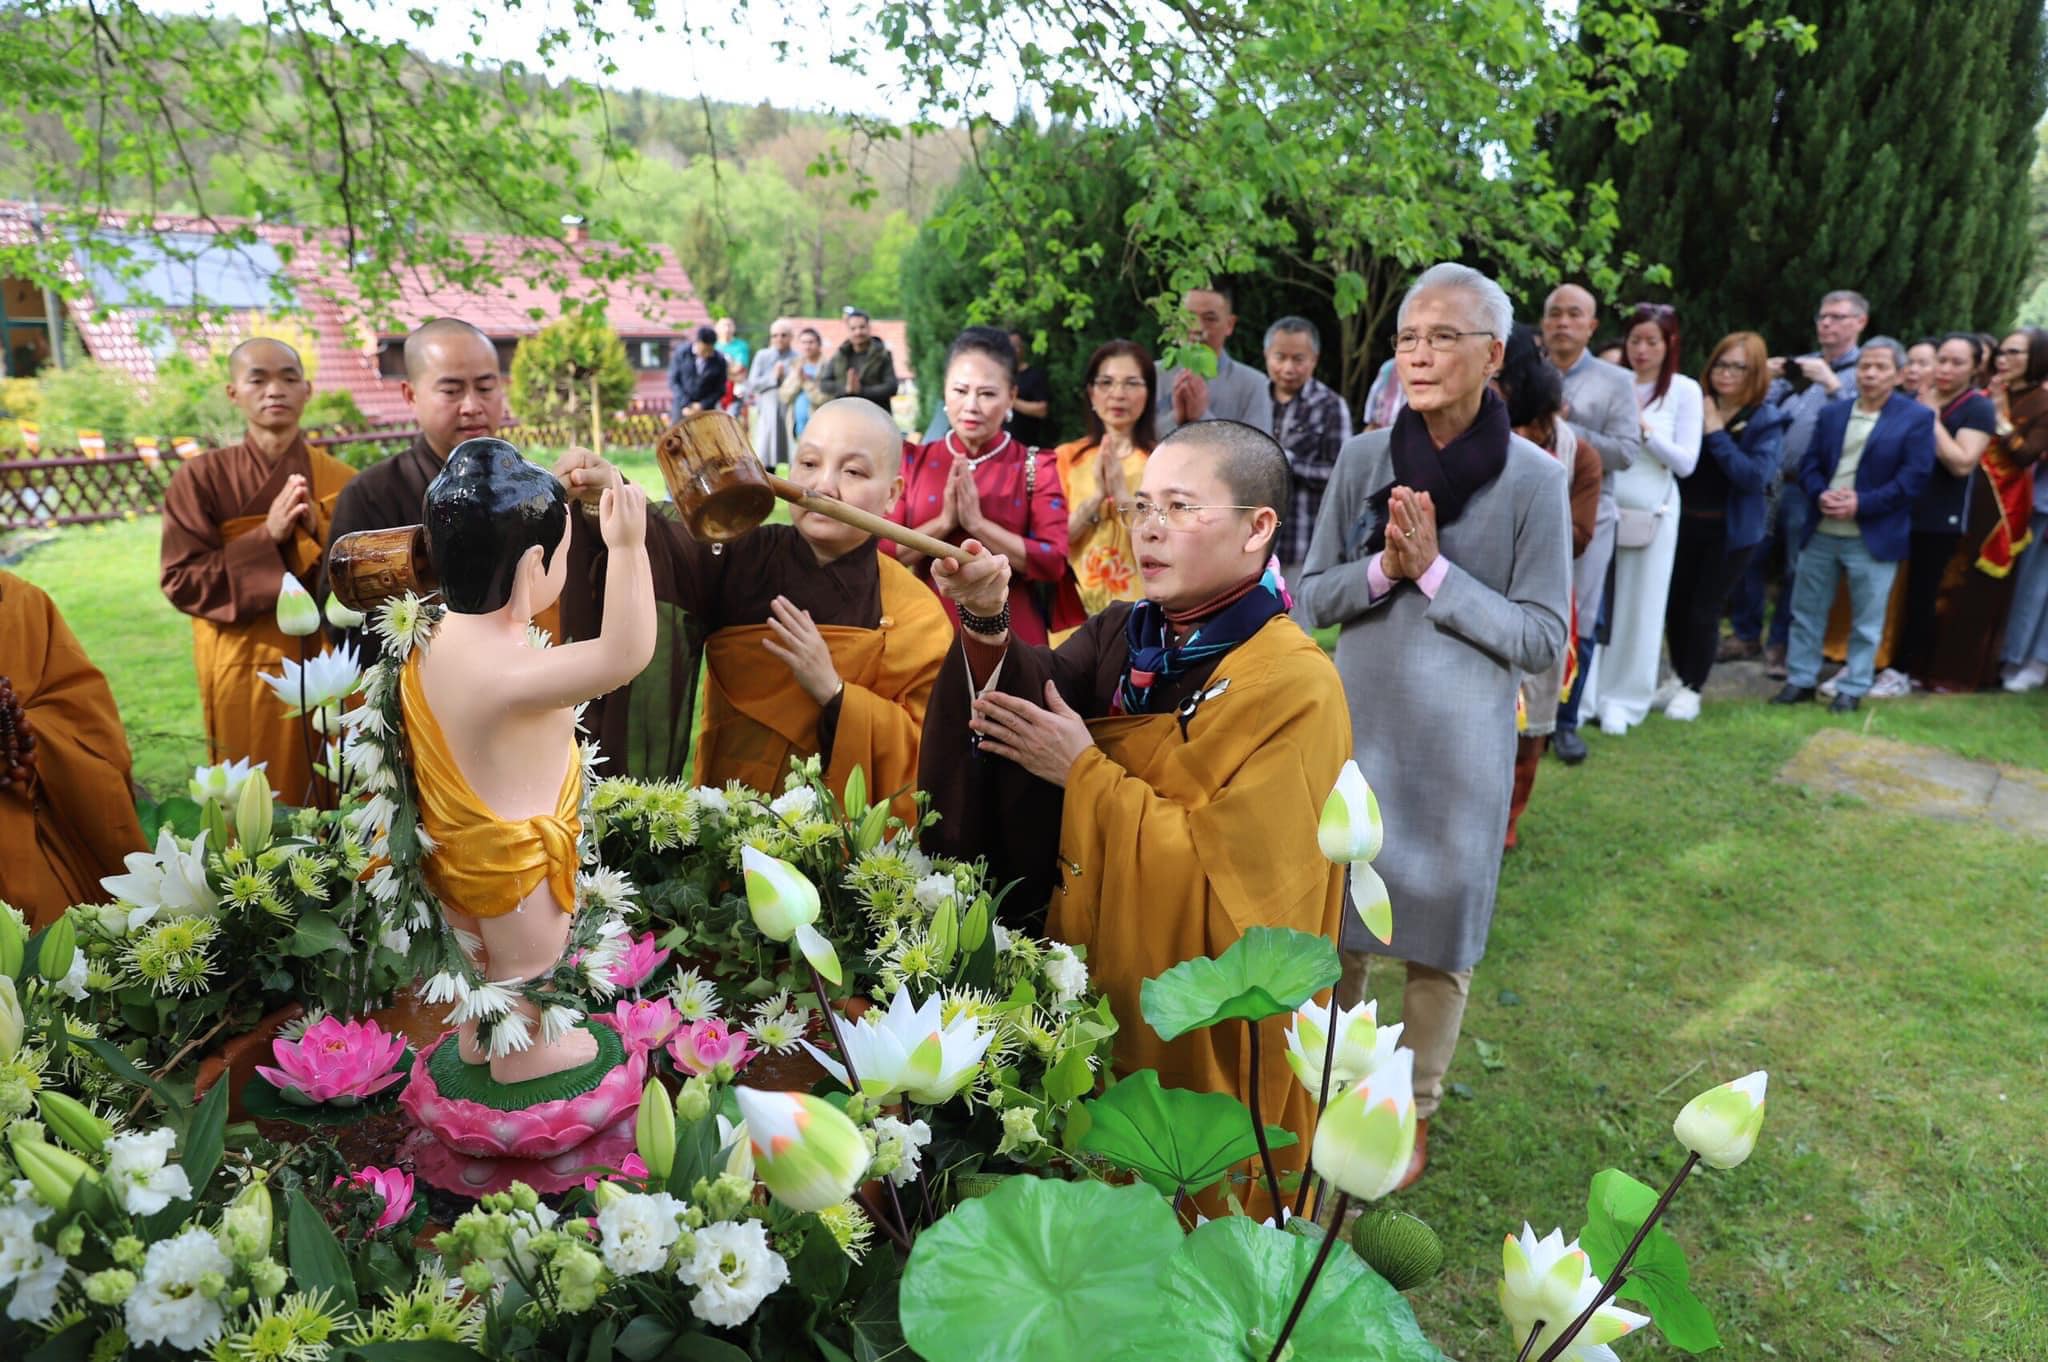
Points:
[(953, 446)]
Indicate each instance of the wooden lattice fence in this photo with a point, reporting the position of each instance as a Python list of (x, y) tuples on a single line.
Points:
[(74, 489)]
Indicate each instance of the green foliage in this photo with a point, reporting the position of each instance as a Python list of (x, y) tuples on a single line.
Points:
[(1175, 1139), (190, 398), (879, 289), (1893, 160), (1658, 1277), (554, 369), (1264, 973), (334, 409), (88, 395)]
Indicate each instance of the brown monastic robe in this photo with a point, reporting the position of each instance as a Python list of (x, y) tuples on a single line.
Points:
[(220, 566), (1176, 832), (887, 633), (75, 818)]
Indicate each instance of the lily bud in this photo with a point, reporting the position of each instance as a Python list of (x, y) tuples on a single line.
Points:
[(11, 1022), (341, 617), (56, 1175), (247, 1224), (1350, 830), (13, 944), (71, 1121), (654, 1131), (1721, 1124), (1366, 1136), (296, 613), (58, 946), (784, 905), (253, 815), (805, 1149)]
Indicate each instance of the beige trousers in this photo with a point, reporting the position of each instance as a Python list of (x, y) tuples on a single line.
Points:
[(1432, 1012)]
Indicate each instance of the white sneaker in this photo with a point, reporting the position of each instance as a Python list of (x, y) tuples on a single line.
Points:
[(1612, 723), (1666, 693), (1684, 706), (1826, 689), (2033, 676), (1889, 684)]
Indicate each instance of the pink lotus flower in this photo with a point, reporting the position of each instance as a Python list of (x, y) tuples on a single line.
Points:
[(393, 1184), (639, 960), (630, 1168), (645, 1023), (336, 1062), (701, 1046)]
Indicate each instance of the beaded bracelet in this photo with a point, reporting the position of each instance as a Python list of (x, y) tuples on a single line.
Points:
[(986, 625)]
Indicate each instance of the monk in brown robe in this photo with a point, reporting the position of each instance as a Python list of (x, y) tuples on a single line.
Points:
[(69, 817), (816, 644), (236, 520), (1174, 753)]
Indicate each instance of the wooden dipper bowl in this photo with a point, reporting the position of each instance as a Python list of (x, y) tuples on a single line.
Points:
[(721, 491), (370, 567)]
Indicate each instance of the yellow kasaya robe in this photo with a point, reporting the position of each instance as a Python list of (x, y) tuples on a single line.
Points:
[(74, 819), (220, 566), (482, 864), (757, 718), (1173, 840)]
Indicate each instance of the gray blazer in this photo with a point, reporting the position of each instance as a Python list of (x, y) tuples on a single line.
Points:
[(1237, 393), (1603, 412), (1432, 683)]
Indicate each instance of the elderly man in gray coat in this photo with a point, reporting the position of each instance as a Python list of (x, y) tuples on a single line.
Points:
[(1444, 549), (764, 390)]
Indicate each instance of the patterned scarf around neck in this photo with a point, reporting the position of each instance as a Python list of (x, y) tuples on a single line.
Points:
[(1450, 475), (1155, 657)]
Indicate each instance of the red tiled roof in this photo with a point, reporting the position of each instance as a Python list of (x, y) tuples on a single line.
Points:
[(894, 334), (662, 303)]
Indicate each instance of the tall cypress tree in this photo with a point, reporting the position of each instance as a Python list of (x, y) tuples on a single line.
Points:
[(1892, 160)]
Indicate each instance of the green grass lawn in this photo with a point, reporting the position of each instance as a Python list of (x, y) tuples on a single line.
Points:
[(1674, 918)]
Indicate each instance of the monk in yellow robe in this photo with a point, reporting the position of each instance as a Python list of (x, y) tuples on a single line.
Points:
[(1156, 782), (67, 811), (816, 644), (236, 520)]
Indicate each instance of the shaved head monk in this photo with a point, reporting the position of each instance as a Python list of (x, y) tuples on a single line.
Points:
[(236, 520), (1155, 782), (456, 393), (816, 644), (67, 815)]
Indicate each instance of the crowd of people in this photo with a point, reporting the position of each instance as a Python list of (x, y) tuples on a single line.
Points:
[(1109, 690)]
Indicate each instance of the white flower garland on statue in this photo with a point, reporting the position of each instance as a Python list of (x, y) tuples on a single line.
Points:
[(389, 821)]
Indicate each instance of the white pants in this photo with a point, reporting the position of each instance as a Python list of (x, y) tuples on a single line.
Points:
[(1623, 678)]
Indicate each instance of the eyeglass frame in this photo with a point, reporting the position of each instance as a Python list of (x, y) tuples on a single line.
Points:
[(1418, 337), (1135, 513), (1129, 385)]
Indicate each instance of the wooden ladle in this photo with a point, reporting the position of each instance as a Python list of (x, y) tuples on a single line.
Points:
[(721, 490)]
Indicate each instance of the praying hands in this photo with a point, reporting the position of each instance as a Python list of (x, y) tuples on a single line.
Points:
[(1411, 535)]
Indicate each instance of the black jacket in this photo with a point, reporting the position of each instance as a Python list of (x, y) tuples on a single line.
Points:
[(691, 379)]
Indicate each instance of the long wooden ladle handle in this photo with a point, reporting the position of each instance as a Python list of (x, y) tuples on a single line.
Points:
[(862, 520)]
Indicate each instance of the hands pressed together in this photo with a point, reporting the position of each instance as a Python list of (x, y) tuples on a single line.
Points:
[(290, 511), (1411, 535), (1838, 504)]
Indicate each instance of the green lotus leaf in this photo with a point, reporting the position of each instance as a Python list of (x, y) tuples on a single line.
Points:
[(1266, 972), (1171, 1137), (1227, 1292), (1041, 1269)]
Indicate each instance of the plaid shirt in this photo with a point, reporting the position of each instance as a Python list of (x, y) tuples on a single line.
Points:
[(1311, 428)]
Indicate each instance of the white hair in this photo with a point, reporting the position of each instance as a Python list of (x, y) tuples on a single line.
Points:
[(1496, 313)]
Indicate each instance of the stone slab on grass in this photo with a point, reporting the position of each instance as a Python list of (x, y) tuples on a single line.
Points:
[(1921, 780)]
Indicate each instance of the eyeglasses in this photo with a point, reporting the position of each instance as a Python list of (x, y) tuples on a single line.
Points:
[(1118, 385), (2016, 351), (1440, 340), (1730, 366), (1837, 316), (1175, 515)]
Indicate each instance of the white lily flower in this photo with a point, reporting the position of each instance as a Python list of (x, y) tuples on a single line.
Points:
[(222, 783), (1365, 1138), (1350, 829), (326, 680), (172, 881), (1546, 1283), (910, 1051), (1363, 1045)]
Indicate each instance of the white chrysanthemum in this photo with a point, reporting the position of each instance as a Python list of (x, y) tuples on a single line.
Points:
[(428, 846), (30, 1268), (636, 1231), (72, 985), (909, 1140), (402, 625), (1066, 973), (510, 1034), (142, 1179), (395, 939), (446, 987), (537, 637), (383, 884), (605, 889), (166, 1306), (792, 805), (556, 1022), (734, 1270), (1005, 938), (694, 997), (491, 998), (374, 816), (709, 799), (469, 943), (933, 890)]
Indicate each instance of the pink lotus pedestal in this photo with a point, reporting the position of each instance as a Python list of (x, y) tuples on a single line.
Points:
[(477, 1136)]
